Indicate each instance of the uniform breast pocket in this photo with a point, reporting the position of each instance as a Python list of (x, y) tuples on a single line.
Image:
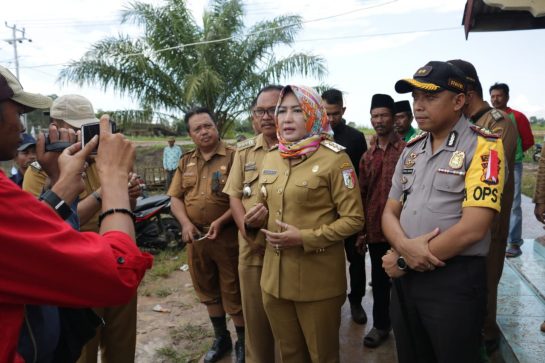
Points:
[(307, 189), (265, 185), (219, 178), (189, 180), (250, 181), (447, 193)]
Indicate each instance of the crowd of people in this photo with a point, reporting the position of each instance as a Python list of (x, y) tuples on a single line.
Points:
[(270, 223)]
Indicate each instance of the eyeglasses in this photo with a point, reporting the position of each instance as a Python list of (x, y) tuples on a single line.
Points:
[(260, 112)]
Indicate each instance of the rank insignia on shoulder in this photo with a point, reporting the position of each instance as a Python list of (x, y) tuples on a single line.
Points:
[(496, 114), (413, 140), (245, 144), (36, 166), (331, 145), (484, 132), (349, 178)]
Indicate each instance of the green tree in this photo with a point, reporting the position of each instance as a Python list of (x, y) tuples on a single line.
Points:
[(227, 67)]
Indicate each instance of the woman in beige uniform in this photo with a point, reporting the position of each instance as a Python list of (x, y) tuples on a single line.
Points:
[(310, 196)]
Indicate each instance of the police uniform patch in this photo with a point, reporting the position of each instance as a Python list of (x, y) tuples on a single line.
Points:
[(409, 163), (413, 140), (484, 132), (349, 178), (491, 168), (457, 159), (452, 137)]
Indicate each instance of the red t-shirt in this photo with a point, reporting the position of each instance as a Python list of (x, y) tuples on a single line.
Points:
[(523, 126), (44, 261)]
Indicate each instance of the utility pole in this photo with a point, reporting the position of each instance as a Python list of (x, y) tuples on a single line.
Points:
[(13, 41)]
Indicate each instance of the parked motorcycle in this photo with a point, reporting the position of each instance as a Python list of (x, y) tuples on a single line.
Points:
[(156, 229), (537, 152)]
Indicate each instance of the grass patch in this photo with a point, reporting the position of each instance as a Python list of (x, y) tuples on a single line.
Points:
[(187, 344), (164, 292), (164, 264), (528, 182)]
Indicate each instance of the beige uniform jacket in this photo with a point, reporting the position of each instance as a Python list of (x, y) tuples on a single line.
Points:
[(319, 195), (35, 179), (539, 194), (244, 175)]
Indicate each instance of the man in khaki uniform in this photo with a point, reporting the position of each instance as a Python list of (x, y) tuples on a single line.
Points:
[(117, 339), (539, 199), (445, 193), (481, 114), (203, 211), (242, 187)]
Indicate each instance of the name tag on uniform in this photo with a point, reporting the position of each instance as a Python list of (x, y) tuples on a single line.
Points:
[(269, 172), (408, 171), (250, 166)]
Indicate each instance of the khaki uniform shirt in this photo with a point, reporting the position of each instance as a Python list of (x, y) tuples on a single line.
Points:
[(35, 180), (319, 195), (434, 187), (199, 184), (539, 194), (499, 123), (244, 175)]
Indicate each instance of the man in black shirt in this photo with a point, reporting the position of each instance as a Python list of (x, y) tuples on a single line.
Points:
[(355, 144)]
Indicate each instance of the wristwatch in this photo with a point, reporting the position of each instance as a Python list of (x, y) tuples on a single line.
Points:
[(402, 264), (59, 205)]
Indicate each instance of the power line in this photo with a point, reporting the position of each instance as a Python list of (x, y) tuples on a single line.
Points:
[(315, 39)]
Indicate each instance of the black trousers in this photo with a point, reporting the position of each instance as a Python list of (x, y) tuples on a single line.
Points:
[(438, 316), (356, 270), (381, 286)]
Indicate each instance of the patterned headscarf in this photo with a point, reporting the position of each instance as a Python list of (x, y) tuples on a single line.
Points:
[(317, 125)]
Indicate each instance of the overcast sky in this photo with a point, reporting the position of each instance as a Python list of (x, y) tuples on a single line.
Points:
[(368, 45)]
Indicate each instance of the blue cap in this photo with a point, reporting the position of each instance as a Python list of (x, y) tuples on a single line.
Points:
[(28, 140)]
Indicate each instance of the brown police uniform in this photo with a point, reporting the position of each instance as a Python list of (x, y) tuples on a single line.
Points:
[(213, 264), (499, 123), (438, 315), (117, 339), (242, 183), (304, 287)]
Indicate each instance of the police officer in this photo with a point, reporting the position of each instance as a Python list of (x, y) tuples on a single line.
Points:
[(242, 187), (312, 196), (355, 144), (481, 114), (403, 119), (203, 211), (445, 193)]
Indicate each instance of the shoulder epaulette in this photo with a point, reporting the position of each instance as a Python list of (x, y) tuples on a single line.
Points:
[(36, 166), (413, 140), (496, 114), (245, 144), (331, 145), (486, 133)]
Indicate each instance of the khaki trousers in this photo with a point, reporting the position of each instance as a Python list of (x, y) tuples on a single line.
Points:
[(258, 338), (117, 339), (306, 331)]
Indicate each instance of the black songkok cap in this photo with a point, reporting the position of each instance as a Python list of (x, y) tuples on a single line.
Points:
[(380, 100), (434, 77), (403, 106)]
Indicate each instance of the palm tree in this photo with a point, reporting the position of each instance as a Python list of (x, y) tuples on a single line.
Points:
[(223, 71)]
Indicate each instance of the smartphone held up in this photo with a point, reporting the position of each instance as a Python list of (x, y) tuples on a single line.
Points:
[(88, 131)]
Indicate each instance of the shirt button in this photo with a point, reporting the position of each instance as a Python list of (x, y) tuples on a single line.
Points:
[(286, 173), (279, 190), (305, 183), (120, 260), (277, 212)]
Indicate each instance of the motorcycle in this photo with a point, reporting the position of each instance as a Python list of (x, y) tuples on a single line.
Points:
[(537, 152), (156, 229)]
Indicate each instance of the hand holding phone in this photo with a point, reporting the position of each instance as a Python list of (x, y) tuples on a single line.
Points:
[(88, 131)]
